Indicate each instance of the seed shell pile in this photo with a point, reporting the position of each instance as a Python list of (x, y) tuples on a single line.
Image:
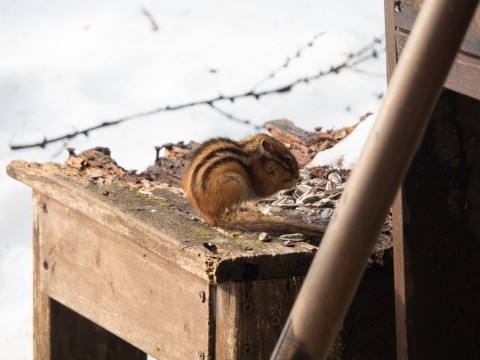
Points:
[(314, 199)]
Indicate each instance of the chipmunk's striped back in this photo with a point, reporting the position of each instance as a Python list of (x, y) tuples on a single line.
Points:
[(214, 162), (224, 173)]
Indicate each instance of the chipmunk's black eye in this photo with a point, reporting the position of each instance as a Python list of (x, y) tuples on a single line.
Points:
[(287, 161)]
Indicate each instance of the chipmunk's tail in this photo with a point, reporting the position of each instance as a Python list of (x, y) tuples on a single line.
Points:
[(273, 225)]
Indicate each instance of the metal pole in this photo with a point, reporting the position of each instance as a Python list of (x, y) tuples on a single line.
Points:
[(339, 264)]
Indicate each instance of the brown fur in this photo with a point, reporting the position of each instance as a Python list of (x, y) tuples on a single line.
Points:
[(223, 174)]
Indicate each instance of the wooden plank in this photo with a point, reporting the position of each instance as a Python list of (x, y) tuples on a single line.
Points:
[(397, 215), (391, 47), (153, 304), (41, 301), (464, 76), (441, 247), (399, 278), (407, 11), (152, 222), (58, 333), (251, 315)]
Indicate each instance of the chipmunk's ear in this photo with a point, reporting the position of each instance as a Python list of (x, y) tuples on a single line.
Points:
[(265, 146)]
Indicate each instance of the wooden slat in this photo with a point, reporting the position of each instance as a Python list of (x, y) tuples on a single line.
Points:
[(133, 293), (168, 231), (83, 340), (464, 76), (250, 316), (407, 11), (41, 301), (399, 278), (391, 47), (418, 212), (440, 257)]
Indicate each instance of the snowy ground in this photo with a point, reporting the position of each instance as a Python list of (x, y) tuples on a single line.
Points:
[(70, 65)]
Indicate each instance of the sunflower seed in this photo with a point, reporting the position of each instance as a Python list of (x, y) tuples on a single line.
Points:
[(265, 210), (265, 237), (326, 213), (287, 205), (335, 195), (305, 174), (330, 186), (318, 182), (333, 176), (280, 200), (292, 237), (309, 199), (303, 188)]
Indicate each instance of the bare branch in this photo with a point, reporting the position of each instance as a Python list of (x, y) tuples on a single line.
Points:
[(233, 117), (288, 61), (367, 52), (149, 16)]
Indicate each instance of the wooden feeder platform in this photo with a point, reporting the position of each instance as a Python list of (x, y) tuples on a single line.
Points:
[(124, 268)]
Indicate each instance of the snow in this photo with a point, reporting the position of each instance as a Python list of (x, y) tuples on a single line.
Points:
[(70, 65), (345, 154)]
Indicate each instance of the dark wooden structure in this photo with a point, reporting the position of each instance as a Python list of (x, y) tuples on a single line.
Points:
[(437, 212), (122, 270)]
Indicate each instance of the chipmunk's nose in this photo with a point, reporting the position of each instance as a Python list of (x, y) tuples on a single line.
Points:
[(297, 178)]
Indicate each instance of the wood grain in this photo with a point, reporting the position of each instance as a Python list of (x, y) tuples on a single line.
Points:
[(251, 315), (160, 223), (149, 302), (41, 301), (399, 278), (441, 237), (391, 47), (407, 11), (137, 265), (464, 75)]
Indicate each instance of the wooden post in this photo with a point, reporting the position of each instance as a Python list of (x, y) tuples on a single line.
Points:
[(41, 301), (60, 333), (435, 215), (438, 274)]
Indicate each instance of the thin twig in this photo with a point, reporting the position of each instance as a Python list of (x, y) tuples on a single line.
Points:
[(288, 61), (364, 54), (233, 117), (149, 16)]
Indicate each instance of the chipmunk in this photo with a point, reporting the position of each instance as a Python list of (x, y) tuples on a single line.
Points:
[(223, 174)]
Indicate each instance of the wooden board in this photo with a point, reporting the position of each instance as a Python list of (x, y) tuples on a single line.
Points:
[(438, 271), (390, 45), (436, 239), (42, 331), (149, 302), (252, 315), (160, 222), (406, 12), (464, 76)]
